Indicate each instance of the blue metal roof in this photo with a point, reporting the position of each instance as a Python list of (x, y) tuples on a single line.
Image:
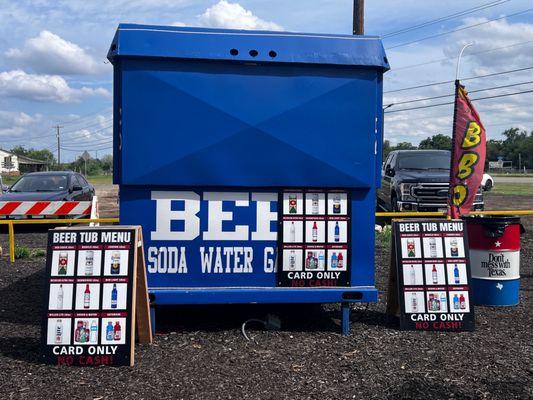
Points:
[(133, 40)]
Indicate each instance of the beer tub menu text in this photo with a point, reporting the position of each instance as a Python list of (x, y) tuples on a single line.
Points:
[(433, 275), (314, 236), (88, 297)]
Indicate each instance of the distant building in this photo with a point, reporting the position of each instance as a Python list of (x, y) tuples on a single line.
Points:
[(12, 164)]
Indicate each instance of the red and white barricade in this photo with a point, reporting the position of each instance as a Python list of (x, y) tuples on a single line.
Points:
[(44, 209)]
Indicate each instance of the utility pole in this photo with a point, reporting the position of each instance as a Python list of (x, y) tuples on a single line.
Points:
[(58, 146), (358, 17), (519, 162)]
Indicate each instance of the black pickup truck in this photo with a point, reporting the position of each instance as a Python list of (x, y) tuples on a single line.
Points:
[(417, 180)]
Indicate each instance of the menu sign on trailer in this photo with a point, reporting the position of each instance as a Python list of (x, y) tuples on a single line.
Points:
[(95, 293), (314, 237), (431, 266)]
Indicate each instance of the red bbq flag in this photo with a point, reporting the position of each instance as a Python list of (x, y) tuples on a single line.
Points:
[(468, 154)]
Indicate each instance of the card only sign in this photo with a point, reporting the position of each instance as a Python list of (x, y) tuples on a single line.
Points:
[(314, 238), (431, 269), (95, 291)]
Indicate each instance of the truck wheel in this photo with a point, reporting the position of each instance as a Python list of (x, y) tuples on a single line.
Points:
[(488, 185)]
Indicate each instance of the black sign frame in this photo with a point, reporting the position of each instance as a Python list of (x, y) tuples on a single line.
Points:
[(67, 335), (413, 300), (322, 278)]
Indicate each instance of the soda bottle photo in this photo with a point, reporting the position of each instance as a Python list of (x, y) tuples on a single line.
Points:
[(411, 251), (313, 262), (114, 295), (321, 260), (333, 261), (115, 262), (454, 251), (456, 277), (434, 276), (336, 203), (314, 203), (87, 297), (77, 332), (455, 302), (59, 331), (462, 302), (308, 260), (336, 232), (93, 337), (443, 302), (414, 302), (117, 331), (340, 261), (432, 247), (60, 297), (292, 233), (314, 233), (412, 275), (89, 262), (431, 301), (109, 333), (62, 263), (293, 203)]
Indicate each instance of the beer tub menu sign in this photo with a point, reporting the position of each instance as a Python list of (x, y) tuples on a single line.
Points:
[(314, 237), (95, 293), (432, 272)]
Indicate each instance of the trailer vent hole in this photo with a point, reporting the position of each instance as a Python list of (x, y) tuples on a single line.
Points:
[(234, 52), (272, 54), (253, 53)]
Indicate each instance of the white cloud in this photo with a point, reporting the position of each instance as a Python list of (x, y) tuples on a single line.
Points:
[(15, 123), (48, 53), (40, 87), (514, 42), (234, 16)]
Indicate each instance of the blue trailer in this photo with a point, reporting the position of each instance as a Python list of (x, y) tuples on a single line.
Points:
[(251, 160)]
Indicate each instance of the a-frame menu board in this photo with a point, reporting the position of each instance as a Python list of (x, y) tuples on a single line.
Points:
[(96, 297)]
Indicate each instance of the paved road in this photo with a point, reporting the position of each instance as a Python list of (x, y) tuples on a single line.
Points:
[(513, 179)]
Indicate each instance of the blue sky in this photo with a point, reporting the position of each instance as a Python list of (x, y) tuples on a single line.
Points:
[(53, 68)]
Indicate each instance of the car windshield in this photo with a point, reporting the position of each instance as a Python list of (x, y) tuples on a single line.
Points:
[(40, 183), (424, 161)]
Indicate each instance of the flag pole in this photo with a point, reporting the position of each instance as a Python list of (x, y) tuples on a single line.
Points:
[(457, 86)]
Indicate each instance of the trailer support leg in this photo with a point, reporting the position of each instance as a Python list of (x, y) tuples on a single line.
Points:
[(345, 318), (152, 318)]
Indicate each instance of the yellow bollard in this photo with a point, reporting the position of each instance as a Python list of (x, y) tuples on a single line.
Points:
[(11, 242)]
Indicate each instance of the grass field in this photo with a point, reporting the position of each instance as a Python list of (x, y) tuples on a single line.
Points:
[(96, 179), (515, 189), (100, 179)]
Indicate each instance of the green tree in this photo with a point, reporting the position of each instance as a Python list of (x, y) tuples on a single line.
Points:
[(42, 155), (404, 146), (107, 163), (437, 142)]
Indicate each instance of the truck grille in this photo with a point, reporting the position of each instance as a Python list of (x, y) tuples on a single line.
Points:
[(431, 192)]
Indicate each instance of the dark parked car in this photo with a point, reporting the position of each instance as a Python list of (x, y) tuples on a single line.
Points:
[(50, 186), (417, 180)]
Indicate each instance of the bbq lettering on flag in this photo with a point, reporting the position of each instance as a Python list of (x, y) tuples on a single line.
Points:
[(468, 155)]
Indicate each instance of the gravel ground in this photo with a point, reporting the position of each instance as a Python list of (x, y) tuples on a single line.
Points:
[(199, 352)]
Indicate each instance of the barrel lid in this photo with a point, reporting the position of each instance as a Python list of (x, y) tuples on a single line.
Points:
[(188, 43), (492, 219)]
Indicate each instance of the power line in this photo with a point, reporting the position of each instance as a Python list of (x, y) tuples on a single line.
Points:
[(451, 102), (396, 69), (445, 18), (458, 29), (452, 94), (463, 79), (81, 117)]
